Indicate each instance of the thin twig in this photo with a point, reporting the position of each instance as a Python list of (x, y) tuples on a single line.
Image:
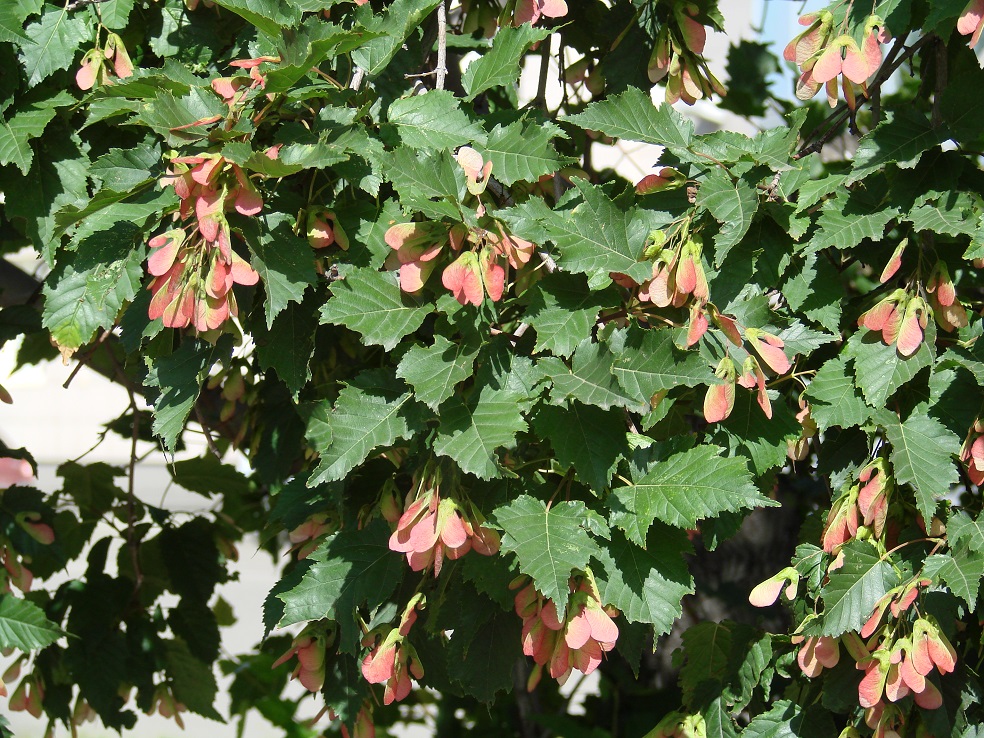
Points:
[(208, 434), (442, 44), (941, 81), (540, 101), (131, 497), (79, 4)]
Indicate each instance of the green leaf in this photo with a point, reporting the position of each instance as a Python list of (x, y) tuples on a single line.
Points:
[(192, 680), (24, 626), (420, 178), (588, 438), (845, 221), (287, 347), (961, 528), (270, 16), (961, 570), (207, 476), (633, 116), (853, 590), (834, 398), (179, 377), (352, 568), (549, 543), (482, 660), (500, 66), (963, 105), (651, 362), (122, 170), (563, 311), (170, 116), (434, 371), (922, 448), (646, 584), (18, 129), (523, 150), (114, 13), (880, 370), (399, 20), (748, 433), (815, 291), (285, 265), (86, 294), (12, 16), (470, 432), (955, 214), (900, 139), (433, 120), (373, 411), (598, 236), (54, 41), (788, 720), (372, 304), (733, 205), (589, 379), (684, 489)]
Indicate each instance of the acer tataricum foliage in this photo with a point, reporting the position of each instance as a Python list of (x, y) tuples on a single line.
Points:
[(512, 419)]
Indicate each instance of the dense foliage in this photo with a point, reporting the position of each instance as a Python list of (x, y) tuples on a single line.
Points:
[(510, 411)]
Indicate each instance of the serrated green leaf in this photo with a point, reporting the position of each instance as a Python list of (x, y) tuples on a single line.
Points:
[(433, 120), (523, 151), (748, 433), (598, 236), (633, 116), (482, 660), (963, 106), (192, 680), (270, 16), (549, 543), (834, 398), (352, 568), (54, 41), (853, 589), (963, 529), (900, 140), (426, 181), (961, 571), (472, 430), (589, 379), (122, 170), (955, 214), (434, 371), (287, 347), (12, 16), (170, 116), (587, 438), (651, 362), (788, 720), (18, 129), (733, 205), (372, 412), (24, 626), (179, 377), (646, 584), (499, 67), (207, 476), (922, 448), (880, 370), (372, 304), (114, 13), (284, 263), (87, 293), (398, 21), (845, 222), (684, 489), (563, 311), (815, 291)]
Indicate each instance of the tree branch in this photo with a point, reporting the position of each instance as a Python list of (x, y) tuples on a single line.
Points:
[(79, 4), (442, 44)]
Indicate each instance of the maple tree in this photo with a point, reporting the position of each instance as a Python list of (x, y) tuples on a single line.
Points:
[(489, 394)]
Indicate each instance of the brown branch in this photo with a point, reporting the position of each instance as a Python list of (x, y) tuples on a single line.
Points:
[(940, 83)]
